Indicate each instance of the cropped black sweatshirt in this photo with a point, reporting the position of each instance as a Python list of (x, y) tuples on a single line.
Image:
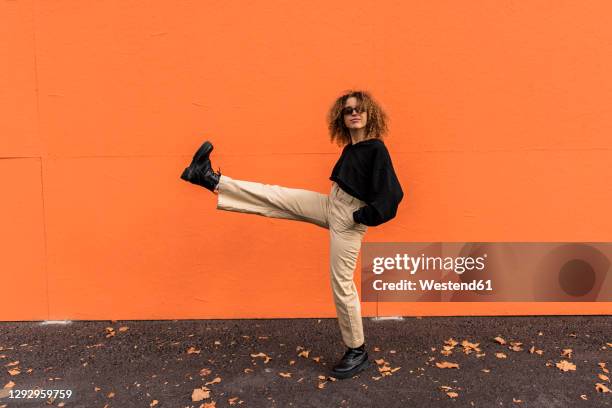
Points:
[(365, 171)]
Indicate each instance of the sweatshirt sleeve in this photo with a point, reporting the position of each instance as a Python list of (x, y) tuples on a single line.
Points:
[(386, 192)]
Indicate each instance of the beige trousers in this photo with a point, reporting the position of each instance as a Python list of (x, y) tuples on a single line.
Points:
[(333, 212)]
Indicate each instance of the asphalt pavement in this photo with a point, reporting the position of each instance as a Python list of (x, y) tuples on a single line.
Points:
[(522, 361)]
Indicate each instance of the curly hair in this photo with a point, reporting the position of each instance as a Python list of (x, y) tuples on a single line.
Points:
[(376, 124)]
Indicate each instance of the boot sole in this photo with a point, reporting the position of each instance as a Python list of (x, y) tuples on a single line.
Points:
[(351, 372)]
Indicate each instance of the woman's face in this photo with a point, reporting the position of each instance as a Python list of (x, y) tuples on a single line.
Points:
[(352, 119)]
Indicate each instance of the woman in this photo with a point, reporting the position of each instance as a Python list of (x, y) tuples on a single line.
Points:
[(365, 192)]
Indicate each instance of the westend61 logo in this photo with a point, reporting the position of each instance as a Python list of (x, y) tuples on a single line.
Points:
[(486, 272), (413, 264)]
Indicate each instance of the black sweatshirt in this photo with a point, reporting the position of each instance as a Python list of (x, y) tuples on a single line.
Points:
[(365, 171)]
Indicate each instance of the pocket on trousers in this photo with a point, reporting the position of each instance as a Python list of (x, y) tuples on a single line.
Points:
[(348, 221)]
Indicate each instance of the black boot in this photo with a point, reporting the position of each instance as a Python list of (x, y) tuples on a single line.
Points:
[(354, 361), (200, 170)]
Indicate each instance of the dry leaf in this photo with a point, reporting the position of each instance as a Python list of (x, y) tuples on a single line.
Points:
[(500, 340), (205, 372), (248, 370), (380, 361), (601, 388), (14, 371), (603, 367), (199, 394), (485, 370), (211, 404), (286, 375), (603, 377), (322, 385), (192, 350), (232, 401), (123, 328), (452, 394), (316, 359), (451, 342), (565, 365), (9, 384), (304, 353), (215, 381), (14, 363), (153, 403), (262, 355), (446, 364), (584, 397), (567, 353), (516, 400), (111, 394), (500, 355), (468, 347)]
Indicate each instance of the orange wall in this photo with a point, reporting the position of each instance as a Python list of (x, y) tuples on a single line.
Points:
[(500, 131)]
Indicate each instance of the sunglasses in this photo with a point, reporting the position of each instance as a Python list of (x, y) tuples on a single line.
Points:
[(349, 110)]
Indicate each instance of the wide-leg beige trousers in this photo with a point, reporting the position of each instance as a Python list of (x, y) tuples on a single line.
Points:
[(333, 212)]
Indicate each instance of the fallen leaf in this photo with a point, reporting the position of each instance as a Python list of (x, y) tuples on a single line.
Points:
[(232, 401), (446, 364), (601, 388), (214, 381), (14, 371), (286, 375), (451, 342), (304, 353), (500, 340), (500, 355), (205, 372), (567, 353), (603, 377), (153, 403), (198, 394), (584, 397), (192, 350), (123, 328), (266, 357), (452, 394), (565, 365)]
